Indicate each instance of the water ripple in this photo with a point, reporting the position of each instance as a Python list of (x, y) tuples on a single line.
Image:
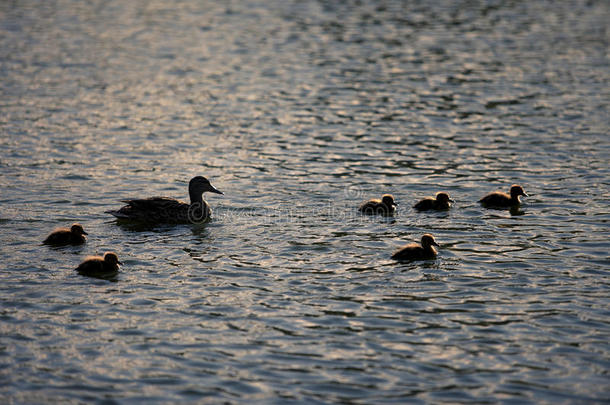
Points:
[(299, 111)]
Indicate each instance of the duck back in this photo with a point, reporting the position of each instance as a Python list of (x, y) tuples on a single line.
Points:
[(425, 204), (64, 237), (496, 199), (161, 209)]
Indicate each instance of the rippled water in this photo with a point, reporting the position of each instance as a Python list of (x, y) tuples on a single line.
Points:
[(298, 111)]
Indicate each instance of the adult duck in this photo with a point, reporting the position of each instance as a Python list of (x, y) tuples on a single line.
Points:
[(166, 209)]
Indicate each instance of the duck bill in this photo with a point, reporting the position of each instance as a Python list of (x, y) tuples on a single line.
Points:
[(120, 262), (525, 194), (85, 233), (435, 244), (214, 190), (451, 200)]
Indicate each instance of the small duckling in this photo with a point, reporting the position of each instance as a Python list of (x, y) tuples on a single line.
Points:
[(498, 199), (96, 266), (386, 206), (441, 202), (415, 251), (75, 235)]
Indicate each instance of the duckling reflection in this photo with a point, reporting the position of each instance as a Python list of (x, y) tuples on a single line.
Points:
[(385, 206), (500, 200), (75, 235), (100, 267), (165, 209), (440, 202), (415, 251)]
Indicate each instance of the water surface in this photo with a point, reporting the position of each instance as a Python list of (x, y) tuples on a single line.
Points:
[(298, 111)]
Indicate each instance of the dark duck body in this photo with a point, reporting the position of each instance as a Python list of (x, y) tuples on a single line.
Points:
[(383, 206), (75, 235), (498, 199), (415, 251), (170, 210), (96, 266), (440, 202)]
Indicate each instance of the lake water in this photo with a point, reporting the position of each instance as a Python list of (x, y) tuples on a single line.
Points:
[(298, 111)]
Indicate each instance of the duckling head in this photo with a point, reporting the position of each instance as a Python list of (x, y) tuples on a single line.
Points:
[(516, 190), (200, 185), (111, 258), (443, 197), (388, 200), (78, 229), (427, 240)]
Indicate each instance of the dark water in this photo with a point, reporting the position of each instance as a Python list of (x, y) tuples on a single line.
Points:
[(299, 110)]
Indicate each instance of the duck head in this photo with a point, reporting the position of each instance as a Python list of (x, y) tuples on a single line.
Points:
[(78, 229), (111, 258), (516, 190), (427, 240), (443, 197), (388, 200), (201, 185)]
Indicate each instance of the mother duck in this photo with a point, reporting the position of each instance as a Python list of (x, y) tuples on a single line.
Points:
[(165, 209)]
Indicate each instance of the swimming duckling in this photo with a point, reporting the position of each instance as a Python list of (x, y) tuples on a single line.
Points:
[(96, 266), (498, 199), (415, 251), (165, 209), (385, 206), (441, 202), (75, 235)]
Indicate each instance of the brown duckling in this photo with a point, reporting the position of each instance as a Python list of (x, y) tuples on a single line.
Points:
[(441, 202), (96, 266), (75, 235), (415, 251), (165, 209), (498, 199), (385, 206)]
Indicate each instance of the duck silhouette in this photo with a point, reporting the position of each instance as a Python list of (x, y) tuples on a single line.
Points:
[(416, 251), (385, 206), (166, 209), (498, 199), (75, 235), (440, 202)]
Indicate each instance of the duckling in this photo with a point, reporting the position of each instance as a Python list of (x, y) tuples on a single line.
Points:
[(96, 266), (498, 199), (441, 202), (386, 206), (414, 251), (75, 235), (165, 209)]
